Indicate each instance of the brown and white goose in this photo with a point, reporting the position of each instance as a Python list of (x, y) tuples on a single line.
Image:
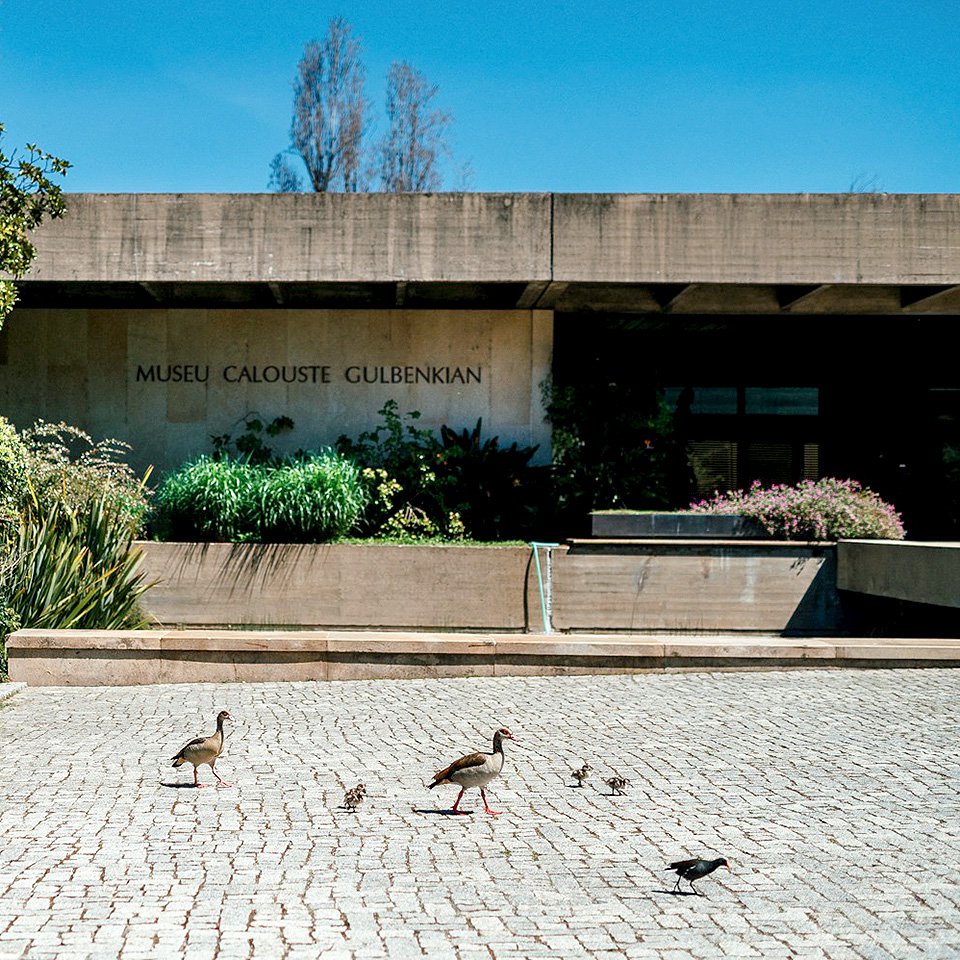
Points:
[(205, 750), (475, 770)]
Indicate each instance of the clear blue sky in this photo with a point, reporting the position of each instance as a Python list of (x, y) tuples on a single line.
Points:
[(654, 95)]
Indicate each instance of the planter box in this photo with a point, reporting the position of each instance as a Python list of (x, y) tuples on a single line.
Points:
[(338, 586), (644, 524), (691, 586), (590, 586)]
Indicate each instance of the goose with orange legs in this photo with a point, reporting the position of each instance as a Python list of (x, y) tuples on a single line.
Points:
[(475, 770)]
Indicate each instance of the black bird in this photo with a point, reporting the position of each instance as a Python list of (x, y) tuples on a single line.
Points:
[(694, 869)]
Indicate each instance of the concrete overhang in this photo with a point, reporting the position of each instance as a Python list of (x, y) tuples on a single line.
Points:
[(611, 253)]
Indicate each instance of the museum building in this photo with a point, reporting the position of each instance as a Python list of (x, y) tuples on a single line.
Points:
[(796, 335)]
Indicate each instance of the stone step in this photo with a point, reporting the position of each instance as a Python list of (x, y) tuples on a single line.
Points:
[(107, 657)]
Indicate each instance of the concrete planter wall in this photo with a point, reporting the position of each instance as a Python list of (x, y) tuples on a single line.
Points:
[(641, 586), (320, 612), (337, 586)]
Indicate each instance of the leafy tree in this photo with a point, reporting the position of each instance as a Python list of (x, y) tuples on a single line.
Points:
[(27, 195), (409, 154)]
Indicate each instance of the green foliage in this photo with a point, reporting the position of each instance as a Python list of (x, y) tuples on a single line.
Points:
[(74, 569), (208, 499), (826, 509), (311, 500), (407, 497), (27, 195), (614, 446), (457, 485), (65, 465), (13, 470), (304, 500), (493, 488), (250, 445)]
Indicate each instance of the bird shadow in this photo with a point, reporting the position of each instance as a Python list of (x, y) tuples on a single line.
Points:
[(678, 893), (180, 786), (443, 813)]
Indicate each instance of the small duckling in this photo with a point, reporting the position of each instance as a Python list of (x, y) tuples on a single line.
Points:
[(617, 784), (354, 797), (581, 775)]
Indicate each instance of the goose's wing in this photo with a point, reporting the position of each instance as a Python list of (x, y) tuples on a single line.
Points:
[(464, 763), (195, 742)]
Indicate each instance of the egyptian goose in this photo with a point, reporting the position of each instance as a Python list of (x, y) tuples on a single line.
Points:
[(205, 750), (617, 784), (475, 770), (694, 869), (581, 775)]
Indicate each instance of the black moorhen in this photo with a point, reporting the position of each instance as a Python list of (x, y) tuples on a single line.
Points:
[(694, 869)]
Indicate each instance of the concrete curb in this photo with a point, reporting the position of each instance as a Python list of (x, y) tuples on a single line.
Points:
[(107, 658)]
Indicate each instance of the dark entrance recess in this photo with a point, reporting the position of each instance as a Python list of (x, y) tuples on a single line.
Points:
[(779, 399)]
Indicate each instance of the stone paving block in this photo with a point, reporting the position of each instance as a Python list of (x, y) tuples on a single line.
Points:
[(826, 790)]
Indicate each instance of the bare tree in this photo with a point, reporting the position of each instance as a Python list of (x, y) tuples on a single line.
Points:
[(862, 183), (283, 178), (329, 115), (408, 157)]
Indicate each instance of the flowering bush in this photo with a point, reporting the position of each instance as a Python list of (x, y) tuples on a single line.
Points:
[(827, 509)]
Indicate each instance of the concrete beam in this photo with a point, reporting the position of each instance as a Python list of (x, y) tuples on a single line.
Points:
[(328, 237), (757, 238), (847, 240)]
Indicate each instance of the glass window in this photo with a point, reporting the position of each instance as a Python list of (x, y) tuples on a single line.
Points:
[(782, 401), (705, 400)]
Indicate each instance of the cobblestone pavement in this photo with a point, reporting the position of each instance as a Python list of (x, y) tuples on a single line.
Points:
[(832, 793)]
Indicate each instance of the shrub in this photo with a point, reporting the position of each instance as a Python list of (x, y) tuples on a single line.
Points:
[(826, 509), (422, 487), (492, 488), (311, 500), (75, 569), (66, 466), (614, 446), (406, 496), (13, 470), (250, 445)]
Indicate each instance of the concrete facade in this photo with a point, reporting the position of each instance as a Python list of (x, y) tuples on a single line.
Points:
[(733, 292), (168, 379)]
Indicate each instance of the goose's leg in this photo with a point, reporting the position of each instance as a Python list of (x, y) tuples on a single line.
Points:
[(456, 803), (220, 780), (493, 813), (196, 782)]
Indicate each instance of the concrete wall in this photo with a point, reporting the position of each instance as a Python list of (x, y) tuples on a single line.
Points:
[(742, 238), (285, 237), (340, 586), (92, 368), (917, 572), (620, 238), (737, 588)]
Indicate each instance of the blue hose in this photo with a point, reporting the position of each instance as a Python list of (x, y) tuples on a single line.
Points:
[(547, 627)]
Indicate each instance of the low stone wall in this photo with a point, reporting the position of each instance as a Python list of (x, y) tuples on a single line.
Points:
[(738, 586), (590, 586)]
